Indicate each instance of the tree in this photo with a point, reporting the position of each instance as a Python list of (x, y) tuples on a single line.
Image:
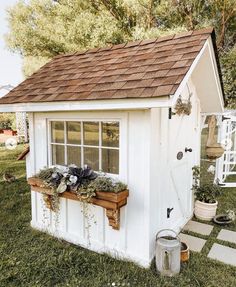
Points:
[(221, 14), (41, 29)]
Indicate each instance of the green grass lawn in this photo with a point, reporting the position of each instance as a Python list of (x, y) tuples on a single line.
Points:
[(31, 258)]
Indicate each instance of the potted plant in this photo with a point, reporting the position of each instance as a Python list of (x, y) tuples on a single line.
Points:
[(9, 132), (8, 124), (226, 218), (81, 184), (206, 203)]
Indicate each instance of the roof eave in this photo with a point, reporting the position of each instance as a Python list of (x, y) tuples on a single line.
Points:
[(209, 45), (110, 104)]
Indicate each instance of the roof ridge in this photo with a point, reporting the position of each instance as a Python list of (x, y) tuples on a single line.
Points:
[(207, 30)]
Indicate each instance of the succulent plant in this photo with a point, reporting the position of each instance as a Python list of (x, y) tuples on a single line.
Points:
[(62, 187), (83, 181)]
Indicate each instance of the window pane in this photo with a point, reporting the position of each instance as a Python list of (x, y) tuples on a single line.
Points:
[(110, 160), (91, 157), (58, 154), (110, 134), (58, 132), (74, 155), (73, 133), (91, 133)]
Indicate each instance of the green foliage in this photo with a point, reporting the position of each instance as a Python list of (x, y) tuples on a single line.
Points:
[(32, 258), (45, 174), (31, 64), (104, 183), (204, 191), (207, 193), (71, 26), (228, 61), (190, 14), (7, 121)]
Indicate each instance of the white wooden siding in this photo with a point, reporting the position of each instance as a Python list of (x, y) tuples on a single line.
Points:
[(149, 142), (131, 241)]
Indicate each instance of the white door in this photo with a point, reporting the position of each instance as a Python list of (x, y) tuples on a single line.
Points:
[(184, 153)]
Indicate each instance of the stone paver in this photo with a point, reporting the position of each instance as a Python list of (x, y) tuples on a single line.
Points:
[(222, 253), (197, 227), (227, 235), (195, 244)]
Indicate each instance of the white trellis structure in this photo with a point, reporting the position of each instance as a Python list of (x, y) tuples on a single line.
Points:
[(21, 126), (225, 173)]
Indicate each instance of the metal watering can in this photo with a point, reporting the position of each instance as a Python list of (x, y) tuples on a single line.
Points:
[(168, 246)]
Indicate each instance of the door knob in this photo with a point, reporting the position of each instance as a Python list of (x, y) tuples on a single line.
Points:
[(188, 149)]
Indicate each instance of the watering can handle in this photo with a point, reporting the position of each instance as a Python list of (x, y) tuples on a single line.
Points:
[(176, 235)]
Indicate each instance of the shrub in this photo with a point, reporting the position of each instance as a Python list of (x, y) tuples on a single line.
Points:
[(7, 121)]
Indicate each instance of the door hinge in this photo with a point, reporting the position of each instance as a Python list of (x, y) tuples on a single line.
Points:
[(171, 113), (225, 118)]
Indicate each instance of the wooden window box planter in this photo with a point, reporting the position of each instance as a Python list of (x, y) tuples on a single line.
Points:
[(111, 201)]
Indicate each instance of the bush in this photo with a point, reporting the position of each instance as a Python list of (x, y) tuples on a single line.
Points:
[(7, 121)]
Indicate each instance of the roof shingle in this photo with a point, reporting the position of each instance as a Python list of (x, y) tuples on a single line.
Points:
[(148, 68)]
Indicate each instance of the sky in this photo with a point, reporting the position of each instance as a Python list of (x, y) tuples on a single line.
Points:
[(10, 64)]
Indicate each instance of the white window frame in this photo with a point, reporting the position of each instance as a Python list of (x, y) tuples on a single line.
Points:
[(121, 117)]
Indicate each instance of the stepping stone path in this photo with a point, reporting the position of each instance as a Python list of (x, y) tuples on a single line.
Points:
[(195, 244), (223, 253), (218, 252), (197, 227), (227, 235)]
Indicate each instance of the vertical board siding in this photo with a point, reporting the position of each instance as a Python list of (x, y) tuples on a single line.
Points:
[(157, 152), (138, 159), (131, 241), (30, 166), (75, 220)]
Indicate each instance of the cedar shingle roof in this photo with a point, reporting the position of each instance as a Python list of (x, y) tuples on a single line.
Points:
[(148, 68)]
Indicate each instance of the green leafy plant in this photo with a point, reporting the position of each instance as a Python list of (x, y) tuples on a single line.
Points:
[(105, 183), (7, 121), (207, 193), (82, 181)]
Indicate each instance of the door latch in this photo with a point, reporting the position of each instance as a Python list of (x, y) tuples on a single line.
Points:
[(188, 149), (169, 211)]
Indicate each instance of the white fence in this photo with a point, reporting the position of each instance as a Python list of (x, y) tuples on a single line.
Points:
[(226, 165)]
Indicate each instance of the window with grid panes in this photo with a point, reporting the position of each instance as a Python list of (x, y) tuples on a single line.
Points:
[(92, 143)]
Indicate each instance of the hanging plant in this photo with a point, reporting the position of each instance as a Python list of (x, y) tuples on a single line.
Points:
[(183, 107)]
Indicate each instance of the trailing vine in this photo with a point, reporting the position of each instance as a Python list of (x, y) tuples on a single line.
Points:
[(83, 182)]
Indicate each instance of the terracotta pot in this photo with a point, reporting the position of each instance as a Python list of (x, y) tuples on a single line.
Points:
[(205, 211), (184, 253), (10, 132)]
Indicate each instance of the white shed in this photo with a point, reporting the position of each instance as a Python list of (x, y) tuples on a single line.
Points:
[(132, 90)]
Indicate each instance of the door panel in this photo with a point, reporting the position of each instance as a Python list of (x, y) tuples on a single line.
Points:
[(183, 133)]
